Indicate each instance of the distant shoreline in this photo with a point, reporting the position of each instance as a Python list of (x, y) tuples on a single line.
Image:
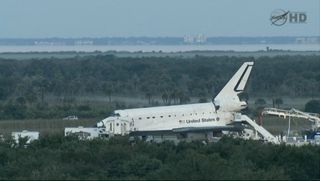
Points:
[(158, 48), (67, 53)]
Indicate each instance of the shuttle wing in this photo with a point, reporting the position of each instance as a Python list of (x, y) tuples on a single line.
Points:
[(232, 127), (208, 128)]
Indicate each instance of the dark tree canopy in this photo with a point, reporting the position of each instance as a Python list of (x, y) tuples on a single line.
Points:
[(260, 102), (27, 85), (66, 158), (313, 106)]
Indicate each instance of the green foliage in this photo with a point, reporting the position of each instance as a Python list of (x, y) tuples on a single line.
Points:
[(260, 102), (202, 100), (27, 87), (313, 106), (57, 157), (197, 76), (278, 101)]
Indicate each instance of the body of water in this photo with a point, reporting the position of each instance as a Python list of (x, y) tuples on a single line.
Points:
[(163, 48)]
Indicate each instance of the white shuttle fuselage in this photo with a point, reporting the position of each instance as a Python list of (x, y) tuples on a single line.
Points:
[(216, 115)]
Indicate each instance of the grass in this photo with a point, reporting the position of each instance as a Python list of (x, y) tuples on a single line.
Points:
[(275, 125), (56, 126), (44, 126)]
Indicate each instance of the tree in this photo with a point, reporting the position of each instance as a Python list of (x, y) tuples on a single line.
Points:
[(21, 101), (174, 96), (278, 101), (135, 81), (183, 98), (108, 90), (313, 106), (149, 97), (31, 96), (43, 85), (260, 102), (165, 98), (244, 96), (202, 100)]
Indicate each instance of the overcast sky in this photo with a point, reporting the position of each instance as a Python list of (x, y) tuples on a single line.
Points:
[(125, 18)]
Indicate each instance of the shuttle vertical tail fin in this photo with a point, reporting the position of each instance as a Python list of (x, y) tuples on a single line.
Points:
[(228, 96)]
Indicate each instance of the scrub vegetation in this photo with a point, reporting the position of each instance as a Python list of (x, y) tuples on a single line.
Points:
[(38, 92), (65, 158), (52, 87)]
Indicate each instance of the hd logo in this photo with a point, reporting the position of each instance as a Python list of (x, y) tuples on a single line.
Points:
[(279, 17)]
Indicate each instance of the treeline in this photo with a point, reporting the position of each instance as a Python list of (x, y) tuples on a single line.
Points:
[(174, 80), (64, 158)]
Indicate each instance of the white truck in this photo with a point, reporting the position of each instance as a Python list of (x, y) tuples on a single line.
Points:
[(30, 135)]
